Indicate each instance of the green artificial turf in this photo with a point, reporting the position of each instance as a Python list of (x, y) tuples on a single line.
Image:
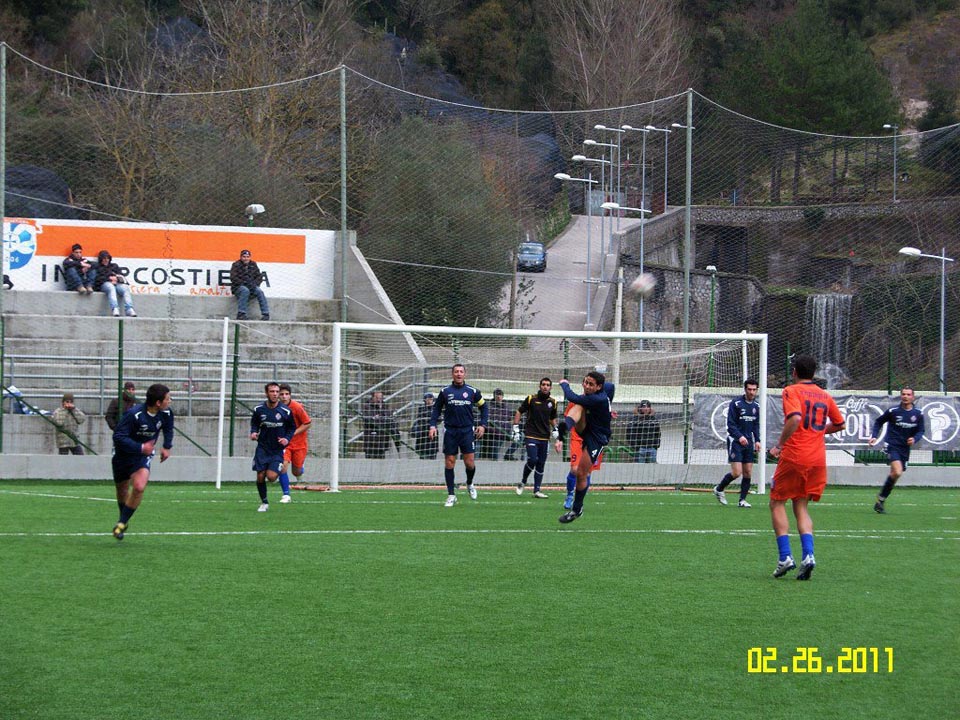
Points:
[(385, 604)]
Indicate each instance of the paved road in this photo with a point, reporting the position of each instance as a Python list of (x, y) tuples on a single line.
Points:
[(558, 296)]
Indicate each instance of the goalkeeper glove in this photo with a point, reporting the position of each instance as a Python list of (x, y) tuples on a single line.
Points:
[(516, 433), (555, 435)]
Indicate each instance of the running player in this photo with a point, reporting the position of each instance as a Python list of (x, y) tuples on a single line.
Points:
[(809, 413), (456, 401), (294, 454), (905, 429), (134, 442), (271, 426)]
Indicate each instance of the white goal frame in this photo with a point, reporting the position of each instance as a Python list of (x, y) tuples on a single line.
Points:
[(759, 475)]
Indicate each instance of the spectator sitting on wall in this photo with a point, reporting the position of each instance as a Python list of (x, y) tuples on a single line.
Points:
[(79, 273), (111, 282), (245, 279)]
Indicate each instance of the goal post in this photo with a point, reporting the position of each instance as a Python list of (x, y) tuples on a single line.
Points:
[(688, 379)]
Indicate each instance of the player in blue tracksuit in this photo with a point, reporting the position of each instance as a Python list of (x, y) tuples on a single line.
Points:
[(271, 426), (743, 441), (134, 442), (595, 416), (457, 401), (609, 390), (904, 430)]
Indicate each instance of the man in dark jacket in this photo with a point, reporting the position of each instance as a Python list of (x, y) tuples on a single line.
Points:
[(78, 273), (426, 448), (245, 279), (113, 413), (643, 434), (110, 281)]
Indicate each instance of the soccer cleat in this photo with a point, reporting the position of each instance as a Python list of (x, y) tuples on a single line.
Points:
[(263, 507), (878, 507), (285, 499), (119, 529), (806, 568), (265, 317), (472, 489), (743, 503), (569, 517), (115, 312), (131, 312), (784, 566), (568, 503), (519, 488), (540, 495), (451, 501), (718, 494)]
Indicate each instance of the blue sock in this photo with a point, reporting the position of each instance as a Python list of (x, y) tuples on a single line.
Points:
[(783, 545), (578, 497), (806, 543), (284, 483), (568, 421), (571, 482), (126, 512), (448, 478)]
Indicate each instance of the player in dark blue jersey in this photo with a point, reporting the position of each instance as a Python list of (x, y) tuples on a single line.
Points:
[(743, 441), (271, 425), (541, 413), (905, 429), (592, 423), (134, 442), (457, 401), (609, 389)]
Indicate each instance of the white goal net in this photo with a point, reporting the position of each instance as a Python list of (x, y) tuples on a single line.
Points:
[(381, 373)]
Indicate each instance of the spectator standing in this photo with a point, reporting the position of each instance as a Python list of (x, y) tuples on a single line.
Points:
[(110, 281), (68, 418), (245, 280), (379, 428), (425, 447), (500, 419), (79, 273), (643, 433), (113, 413)]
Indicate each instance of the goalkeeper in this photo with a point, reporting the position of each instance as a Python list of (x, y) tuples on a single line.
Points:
[(541, 413)]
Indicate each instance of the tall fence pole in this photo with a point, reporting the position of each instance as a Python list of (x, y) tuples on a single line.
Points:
[(223, 396), (344, 243), (233, 384)]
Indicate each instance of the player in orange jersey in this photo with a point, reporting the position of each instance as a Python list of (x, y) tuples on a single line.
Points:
[(576, 447), (295, 454), (809, 413)]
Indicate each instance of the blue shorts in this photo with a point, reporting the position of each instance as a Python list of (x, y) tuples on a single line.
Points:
[(898, 453), (126, 465), (459, 441), (737, 453), (536, 453), (263, 460), (593, 447)]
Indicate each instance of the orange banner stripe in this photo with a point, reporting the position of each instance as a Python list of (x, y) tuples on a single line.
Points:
[(159, 243)]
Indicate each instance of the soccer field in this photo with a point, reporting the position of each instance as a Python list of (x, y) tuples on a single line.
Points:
[(385, 604)]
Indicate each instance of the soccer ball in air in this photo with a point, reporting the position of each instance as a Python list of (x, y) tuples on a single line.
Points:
[(644, 285)]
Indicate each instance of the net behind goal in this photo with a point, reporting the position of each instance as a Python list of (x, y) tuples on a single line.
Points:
[(379, 440)]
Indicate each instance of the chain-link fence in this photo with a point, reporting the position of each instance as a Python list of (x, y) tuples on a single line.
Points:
[(752, 227)]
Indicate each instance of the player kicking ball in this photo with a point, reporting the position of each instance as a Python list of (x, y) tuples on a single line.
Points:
[(592, 422)]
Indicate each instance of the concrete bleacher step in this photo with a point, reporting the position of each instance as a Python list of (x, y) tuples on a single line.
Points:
[(206, 307)]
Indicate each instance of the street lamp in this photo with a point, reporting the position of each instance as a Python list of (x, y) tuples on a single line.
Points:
[(896, 133), (687, 214), (619, 132), (252, 211), (666, 158), (589, 181), (916, 253), (642, 211), (584, 158)]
